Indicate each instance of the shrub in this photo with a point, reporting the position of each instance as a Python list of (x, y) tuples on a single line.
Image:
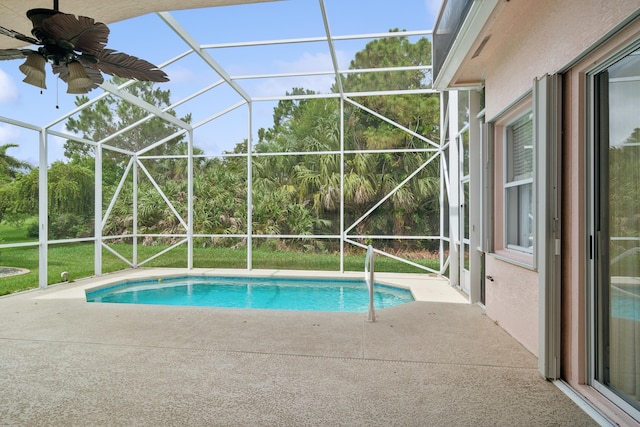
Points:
[(69, 226), (33, 230)]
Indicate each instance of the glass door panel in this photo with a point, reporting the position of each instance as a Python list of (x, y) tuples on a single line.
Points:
[(465, 277), (617, 213)]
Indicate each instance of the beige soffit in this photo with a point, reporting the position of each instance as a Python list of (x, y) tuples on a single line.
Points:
[(13, 12)]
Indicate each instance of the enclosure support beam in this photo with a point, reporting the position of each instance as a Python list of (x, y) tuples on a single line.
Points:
[(193, 44), (455, 242), (43, 212), (109, 87), (342, 233), (190, 203), (334, 58), (97, 214), (443, 129), (249, 190), (134, 227)]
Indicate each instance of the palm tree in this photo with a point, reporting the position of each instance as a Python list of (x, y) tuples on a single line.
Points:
[(11, 167)]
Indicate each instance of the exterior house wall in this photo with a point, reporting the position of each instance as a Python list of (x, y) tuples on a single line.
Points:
[(524, 40), (534, 39), (549, 38), (512, 300), (543, 37)]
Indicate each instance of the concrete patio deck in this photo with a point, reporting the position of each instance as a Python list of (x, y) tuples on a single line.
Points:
[(438, 362)]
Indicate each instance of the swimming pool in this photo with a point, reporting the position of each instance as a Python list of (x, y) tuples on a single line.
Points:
[(253, 292), (625, 302)]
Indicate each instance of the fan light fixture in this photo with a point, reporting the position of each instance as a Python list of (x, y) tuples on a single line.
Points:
[(75, 46), (78, 80), (33, 69)]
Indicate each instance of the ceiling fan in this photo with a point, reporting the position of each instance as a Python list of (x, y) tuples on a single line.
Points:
[(75, 46)]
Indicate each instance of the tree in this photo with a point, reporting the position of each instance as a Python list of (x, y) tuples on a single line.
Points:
[(71, 199), (420, 113), (293, 194), (111, 114), (313, 181), (10, 167), (414, 207), (624, 186), (10, 170), (299, 194)]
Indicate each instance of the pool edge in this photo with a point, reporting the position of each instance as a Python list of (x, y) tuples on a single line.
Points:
[(423, 287)]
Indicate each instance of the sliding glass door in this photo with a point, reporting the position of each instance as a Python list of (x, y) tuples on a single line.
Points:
[(615, 241)]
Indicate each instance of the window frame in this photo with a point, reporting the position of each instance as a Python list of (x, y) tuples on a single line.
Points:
[(521, 107), (517, 183)]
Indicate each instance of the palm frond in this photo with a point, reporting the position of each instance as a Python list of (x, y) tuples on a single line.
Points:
[(83, 34), (129, 67), (17, 35), (7, 54)]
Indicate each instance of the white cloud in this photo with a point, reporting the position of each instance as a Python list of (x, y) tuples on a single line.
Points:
[(306, 63), (9, 134), (56, 148), (28, 144), (16, 135), (433, 7), (178, 74), (8, 90), (311, 62), (624, 118)]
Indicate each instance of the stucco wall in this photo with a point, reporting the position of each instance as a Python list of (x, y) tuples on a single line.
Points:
[(512, 300), (542, 37)]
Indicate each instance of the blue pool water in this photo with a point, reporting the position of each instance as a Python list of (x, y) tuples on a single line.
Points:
[(625, 302), (254, 292)]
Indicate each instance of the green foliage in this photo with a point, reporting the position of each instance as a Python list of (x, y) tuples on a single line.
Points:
[(71, 199), (33, 230), (111, 114), (300, 194), (10, 167), (624, 201), (6, 200), (71, 189), (295, 194), (69, 226), (10, 170), (313, 125)]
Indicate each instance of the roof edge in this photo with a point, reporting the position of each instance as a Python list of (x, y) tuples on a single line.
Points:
[(471, 28)]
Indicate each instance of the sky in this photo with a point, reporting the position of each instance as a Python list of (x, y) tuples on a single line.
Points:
[(150, 38)]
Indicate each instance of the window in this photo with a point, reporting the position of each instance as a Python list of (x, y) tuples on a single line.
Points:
[(518, 184), (512, 164)]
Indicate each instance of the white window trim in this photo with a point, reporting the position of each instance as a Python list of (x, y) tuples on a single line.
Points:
[(506, 184)]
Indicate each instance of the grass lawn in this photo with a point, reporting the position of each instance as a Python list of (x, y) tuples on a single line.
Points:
[(77, 259), (12, 234)]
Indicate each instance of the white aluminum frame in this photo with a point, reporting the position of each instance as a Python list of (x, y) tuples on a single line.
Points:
[(135, 164)]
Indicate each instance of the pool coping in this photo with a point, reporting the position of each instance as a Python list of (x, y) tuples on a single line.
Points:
[(423, 287)]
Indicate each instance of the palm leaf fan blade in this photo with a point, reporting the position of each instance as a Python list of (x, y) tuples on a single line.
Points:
[(126, 66), (80, 33), (6, 54), (17, 35)]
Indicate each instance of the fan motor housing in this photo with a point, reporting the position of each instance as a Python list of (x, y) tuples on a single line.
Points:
[(36, 16)]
